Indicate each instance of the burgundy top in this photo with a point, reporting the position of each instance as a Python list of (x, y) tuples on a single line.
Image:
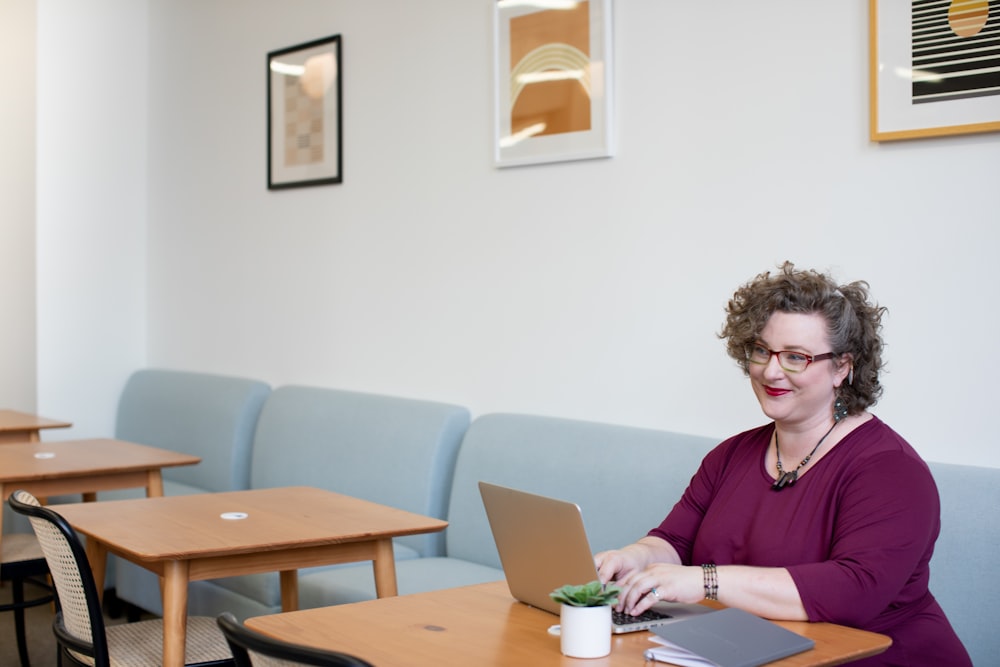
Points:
[(856, 532)]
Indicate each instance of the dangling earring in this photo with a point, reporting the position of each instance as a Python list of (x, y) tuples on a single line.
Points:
[(839, 410), (850, 375)]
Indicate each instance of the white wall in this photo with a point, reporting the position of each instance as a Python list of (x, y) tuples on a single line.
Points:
[(92, 198), (590, 289), (17, 204)]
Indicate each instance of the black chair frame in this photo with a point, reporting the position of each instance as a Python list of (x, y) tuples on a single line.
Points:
[(69, 643), (98, 650), (242, 640), (19, 573)]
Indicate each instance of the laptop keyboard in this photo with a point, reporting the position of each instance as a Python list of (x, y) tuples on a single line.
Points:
[(621, 618)]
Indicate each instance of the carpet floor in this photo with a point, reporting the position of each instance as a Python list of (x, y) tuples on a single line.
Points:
[(38, 624)]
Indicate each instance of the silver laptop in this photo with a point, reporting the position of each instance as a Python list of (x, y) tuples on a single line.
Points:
[(543, 545)]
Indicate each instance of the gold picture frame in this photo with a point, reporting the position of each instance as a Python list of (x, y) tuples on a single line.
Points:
[(553, 72), (934, 68)]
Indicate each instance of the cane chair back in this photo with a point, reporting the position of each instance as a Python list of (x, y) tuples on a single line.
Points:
[(84, 638)]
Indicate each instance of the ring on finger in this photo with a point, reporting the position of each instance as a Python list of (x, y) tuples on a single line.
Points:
[(655, 593)]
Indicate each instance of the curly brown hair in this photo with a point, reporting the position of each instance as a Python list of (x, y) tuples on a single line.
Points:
[(853, 323)]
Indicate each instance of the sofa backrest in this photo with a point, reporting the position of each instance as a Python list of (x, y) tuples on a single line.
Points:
[(624, 479), (211, 416), (963, 578), (394, 451)]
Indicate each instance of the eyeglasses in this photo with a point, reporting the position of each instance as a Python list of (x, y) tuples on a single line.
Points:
[(793, 362)]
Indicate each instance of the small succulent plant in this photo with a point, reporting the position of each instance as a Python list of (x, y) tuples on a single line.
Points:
[(593, 594)]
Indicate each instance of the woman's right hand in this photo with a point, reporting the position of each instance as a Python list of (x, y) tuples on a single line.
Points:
[(614, 564), (619, 563)]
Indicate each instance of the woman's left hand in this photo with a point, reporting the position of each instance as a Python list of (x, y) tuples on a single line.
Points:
[(660, 581)]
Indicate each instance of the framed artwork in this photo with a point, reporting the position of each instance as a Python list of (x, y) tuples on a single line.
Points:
[(553, 72), (934, 68), (304, 119)]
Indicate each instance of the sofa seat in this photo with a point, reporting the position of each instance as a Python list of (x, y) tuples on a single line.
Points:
[(426, 457), (347, 584), (594, 465), (207, 415), (391, 450), (962, 577)]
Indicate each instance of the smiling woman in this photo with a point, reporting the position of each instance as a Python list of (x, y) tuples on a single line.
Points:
[(852, 323), (793, 395), (850, 539)]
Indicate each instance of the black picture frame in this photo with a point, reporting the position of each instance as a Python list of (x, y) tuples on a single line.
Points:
[(305, 115)]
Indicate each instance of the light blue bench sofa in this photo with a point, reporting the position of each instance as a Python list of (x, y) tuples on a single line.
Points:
[(206, 415), (427, 458), (626, 479), (604, 468), (963, 569), (395, 451)]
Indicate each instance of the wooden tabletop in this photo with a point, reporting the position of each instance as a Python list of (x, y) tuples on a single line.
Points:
[(484, 625), (18, 426), (74, 459), (192, 526), (206, 536), (84, 467)]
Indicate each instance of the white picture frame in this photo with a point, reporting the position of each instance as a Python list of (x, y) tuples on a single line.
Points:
[(553, 74)]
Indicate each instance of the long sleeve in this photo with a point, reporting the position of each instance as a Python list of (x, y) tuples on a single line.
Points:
[(856, 533)]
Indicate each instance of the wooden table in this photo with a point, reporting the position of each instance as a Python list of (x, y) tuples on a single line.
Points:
[(25, 427), (187, 538), (484, 625), (84, 466)]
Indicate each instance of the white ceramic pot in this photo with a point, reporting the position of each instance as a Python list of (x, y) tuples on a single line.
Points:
[(585, 632)]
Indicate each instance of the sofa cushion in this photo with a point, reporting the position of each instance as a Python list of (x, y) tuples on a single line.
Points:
[(393, 451), (624, 479), (390, 450), (356, 583), (211, 416), (962, 565), (206, 415)]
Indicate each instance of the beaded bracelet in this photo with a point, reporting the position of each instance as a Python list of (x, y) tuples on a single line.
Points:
[(711, 581)]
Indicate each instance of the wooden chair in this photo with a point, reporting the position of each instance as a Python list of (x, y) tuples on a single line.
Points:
[(252, 649), (22, 562), (79, 626)]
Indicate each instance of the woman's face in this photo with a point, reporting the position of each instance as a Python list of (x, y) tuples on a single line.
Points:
[(804, 398)]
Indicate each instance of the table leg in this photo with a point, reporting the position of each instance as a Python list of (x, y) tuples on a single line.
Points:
[(289, 590), (20, 435), (175, 592), (3, 499), (154, 484), (97, 555), (385, 569)]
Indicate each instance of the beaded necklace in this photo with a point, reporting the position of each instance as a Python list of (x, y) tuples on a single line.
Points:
[(788, 478)]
